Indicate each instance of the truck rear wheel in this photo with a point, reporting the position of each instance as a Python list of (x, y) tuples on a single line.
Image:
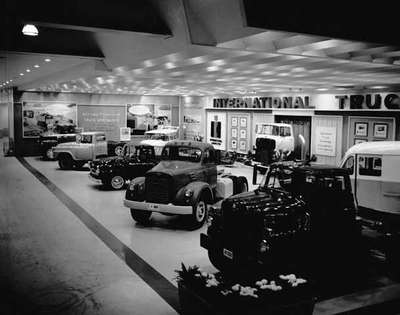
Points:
[(65, 162), (79, 164), (199, 214), (141, 216)]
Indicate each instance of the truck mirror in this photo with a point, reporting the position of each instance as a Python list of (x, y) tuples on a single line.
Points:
[(256, 176)]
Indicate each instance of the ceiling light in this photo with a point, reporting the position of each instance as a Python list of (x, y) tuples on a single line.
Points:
[(28, 70), (11, 80), (47, 60), (378, 87), (36, 66), (21, 74), (30, 30)]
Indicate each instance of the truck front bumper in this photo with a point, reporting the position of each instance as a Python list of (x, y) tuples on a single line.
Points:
[(158, 207)]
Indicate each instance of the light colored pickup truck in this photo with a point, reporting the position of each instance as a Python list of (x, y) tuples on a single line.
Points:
[(87, 147)]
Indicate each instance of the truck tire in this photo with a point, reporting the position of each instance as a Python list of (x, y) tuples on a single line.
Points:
[(117, 182), (48, 155), (141, 216), (216, 259), (118, 150), (199, 214), (65, 162)]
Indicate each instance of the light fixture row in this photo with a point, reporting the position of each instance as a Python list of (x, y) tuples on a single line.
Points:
[(21, 74)]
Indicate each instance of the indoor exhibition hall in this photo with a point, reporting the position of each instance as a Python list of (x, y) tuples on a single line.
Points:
[(199, 157)]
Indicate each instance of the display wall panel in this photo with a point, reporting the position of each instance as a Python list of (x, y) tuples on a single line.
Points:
[(259, 118), (239, 132), (326, 139)]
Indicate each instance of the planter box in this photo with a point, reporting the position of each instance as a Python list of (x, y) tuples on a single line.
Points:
[(192, 303)]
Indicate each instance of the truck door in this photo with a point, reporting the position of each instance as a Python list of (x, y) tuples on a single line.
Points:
[(390, 194), (367, 185), (100, 145)]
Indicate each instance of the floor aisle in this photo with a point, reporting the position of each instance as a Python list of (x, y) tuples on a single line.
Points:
[(52, 264)]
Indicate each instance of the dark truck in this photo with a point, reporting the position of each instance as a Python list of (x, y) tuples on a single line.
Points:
[(300, 217), (114, 172), (50, 140), (185, 182)]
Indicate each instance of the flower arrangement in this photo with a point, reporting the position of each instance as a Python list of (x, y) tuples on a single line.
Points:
[(218, 290)]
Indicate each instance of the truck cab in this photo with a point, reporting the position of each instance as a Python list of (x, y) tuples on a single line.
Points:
[(157, 138), (281, 134)]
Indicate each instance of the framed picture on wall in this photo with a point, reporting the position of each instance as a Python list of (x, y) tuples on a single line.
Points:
[(234, 133), (380, 130), (357, 140), (361, 129), (234, 144), (242, 145), (243, 134), (234, 121), (243, 122)]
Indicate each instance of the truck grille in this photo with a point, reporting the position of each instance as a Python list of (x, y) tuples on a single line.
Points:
[(158, 188)]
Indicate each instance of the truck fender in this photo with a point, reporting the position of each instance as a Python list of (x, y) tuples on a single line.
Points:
[(198, 188), (61, 153)]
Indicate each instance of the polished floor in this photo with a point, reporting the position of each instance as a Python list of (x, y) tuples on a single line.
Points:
[(69, 247)]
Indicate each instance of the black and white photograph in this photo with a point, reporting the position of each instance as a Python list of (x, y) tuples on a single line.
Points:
[(204, 157)]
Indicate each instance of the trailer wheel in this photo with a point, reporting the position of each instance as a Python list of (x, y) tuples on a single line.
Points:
[(199, 214), (141, 216), (118, 150)]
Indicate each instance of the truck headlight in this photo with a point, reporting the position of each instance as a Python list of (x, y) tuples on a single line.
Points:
[(132, 186), (264, 246), (188, 193)]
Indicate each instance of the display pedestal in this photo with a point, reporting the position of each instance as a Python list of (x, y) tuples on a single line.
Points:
[(194, 303)]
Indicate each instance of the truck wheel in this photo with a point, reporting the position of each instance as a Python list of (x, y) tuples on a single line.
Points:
[(216, 259), (65, 162), (118, 150), (117, 182), (141, 216), (199, 214), (49, 154)]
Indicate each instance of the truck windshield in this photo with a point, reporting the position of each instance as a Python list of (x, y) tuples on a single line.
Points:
[(182, 154), (84, 138), (269, 130)]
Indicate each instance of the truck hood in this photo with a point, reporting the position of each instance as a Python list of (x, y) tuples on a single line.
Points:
[(261, 199), (153, 143), (174, 168)]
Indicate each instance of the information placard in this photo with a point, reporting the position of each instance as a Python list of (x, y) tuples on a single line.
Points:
[(325, 141)]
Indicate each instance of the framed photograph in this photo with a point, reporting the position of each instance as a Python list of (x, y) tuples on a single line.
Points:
[(243, 122), (234, 144), (234, 121), (361, 129), (243, 134), (380, 130), (234, 133), (242, 145), (357, 140)]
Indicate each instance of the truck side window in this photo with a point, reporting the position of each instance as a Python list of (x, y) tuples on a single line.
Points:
[(370, 165), (349, 164)]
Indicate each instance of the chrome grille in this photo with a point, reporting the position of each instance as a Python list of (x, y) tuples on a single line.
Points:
[(157, 188)]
